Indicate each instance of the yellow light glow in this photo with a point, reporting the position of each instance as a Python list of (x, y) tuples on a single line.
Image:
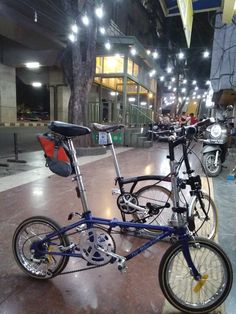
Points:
[(150, 95), (147, 170)]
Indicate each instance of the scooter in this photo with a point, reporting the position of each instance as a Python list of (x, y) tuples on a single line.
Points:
[(215, 146)]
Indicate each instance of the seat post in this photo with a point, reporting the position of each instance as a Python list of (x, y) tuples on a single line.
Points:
[(78, 174), (110, 143)]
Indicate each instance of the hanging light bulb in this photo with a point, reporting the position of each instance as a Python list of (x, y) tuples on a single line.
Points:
[(206, 54), (133, 51), (72, 37), (155, 54), (99, 12), (102, 30), (74, 28), (108, 45), (85, 19)]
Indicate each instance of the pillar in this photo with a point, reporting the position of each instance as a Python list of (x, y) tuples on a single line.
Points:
[(8, 110)]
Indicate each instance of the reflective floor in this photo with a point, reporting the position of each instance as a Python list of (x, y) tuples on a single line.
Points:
[(102, 290)]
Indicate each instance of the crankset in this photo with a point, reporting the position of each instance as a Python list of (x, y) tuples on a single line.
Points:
[(97, 246), (124, 206)]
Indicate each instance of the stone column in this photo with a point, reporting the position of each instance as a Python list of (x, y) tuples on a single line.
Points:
[(8, 112)]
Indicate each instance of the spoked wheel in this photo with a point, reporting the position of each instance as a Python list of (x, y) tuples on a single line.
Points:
[(205, 225), (27, 254), (211, 169), (179, 286), (155, 195)]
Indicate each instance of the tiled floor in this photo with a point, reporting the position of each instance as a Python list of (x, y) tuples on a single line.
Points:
[(105, 289)]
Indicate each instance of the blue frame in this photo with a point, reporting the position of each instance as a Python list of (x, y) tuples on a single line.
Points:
[(89, 220)]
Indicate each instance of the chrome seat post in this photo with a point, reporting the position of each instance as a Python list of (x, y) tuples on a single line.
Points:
[(78, 176), (111, 145)]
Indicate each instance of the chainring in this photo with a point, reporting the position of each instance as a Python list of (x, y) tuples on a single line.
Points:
[(91, 240), (125, 208)]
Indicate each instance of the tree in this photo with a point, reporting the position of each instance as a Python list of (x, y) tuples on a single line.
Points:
[(79, 59)]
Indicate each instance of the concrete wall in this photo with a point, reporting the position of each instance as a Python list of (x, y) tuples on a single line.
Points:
[(7, 94)]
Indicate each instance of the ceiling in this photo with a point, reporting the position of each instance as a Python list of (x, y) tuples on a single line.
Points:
[(170, 7)]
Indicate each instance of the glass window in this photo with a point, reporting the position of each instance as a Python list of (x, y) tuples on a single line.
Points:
[(135, 70), (130, 67), (99, 65), (113, 64), (114, 83)]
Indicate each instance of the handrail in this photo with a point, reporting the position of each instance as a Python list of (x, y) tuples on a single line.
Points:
[(137, 108)]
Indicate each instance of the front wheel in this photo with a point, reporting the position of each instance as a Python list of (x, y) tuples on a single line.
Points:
[(31, 257), (211, 169), (206, 220), (178, 284)]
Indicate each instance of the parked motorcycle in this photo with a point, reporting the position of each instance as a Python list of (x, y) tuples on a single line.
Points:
[(215, 147)]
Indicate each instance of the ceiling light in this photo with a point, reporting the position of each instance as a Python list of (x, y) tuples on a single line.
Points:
[(152, 73), (102, 30), (107, 45), (114, 93), (184, 81), (133, 51), (194, 82), (72, 38), (208, 82), (32, 65), (169, 87), (206, 54), (36, 84), (155, 54), (74, 28), (198, 96), (181, 55), (85, 20), (162, 78), (131, 99), (183, 90), (173, 79), (194, 93), (99, 12), (148, 52), (143, 103), (174, 89), (196, 88), (168, 69)]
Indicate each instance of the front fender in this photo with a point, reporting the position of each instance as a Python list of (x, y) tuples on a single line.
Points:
[(211, 148)]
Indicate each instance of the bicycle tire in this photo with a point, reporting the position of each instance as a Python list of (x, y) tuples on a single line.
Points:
[(34, 229), (179, 286), (203, 227), (157, 195)]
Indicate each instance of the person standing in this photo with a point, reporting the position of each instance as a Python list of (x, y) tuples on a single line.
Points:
[(192, 119)]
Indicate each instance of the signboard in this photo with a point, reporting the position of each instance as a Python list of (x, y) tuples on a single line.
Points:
[(102, 140), (186, 12)]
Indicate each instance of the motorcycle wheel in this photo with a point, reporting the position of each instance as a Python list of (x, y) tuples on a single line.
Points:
[(209, 165)]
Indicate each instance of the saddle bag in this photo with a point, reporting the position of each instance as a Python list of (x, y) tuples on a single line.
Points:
[(57, 155)]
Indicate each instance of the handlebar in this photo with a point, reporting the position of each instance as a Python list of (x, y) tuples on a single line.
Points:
[(186, 132)]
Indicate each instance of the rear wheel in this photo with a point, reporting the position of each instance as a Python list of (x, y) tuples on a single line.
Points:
[(205, 225), (179, 286), (211, 169), (154, 195), (29, 250)]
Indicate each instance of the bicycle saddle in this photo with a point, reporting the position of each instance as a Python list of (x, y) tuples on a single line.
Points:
[(107, 128), (68, 129)]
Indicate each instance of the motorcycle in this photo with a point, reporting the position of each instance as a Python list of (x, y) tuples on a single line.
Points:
[(215, 147)]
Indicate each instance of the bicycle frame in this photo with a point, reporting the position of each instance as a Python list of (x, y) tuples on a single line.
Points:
[(87, 219)]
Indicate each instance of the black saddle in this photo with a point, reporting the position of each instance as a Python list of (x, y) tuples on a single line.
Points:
[(107, 128), (68, 129)]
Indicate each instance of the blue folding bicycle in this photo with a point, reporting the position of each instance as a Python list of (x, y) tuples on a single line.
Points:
[(195, 274)]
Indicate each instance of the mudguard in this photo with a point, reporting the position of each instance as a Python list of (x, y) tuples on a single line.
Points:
[(211, 148)]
